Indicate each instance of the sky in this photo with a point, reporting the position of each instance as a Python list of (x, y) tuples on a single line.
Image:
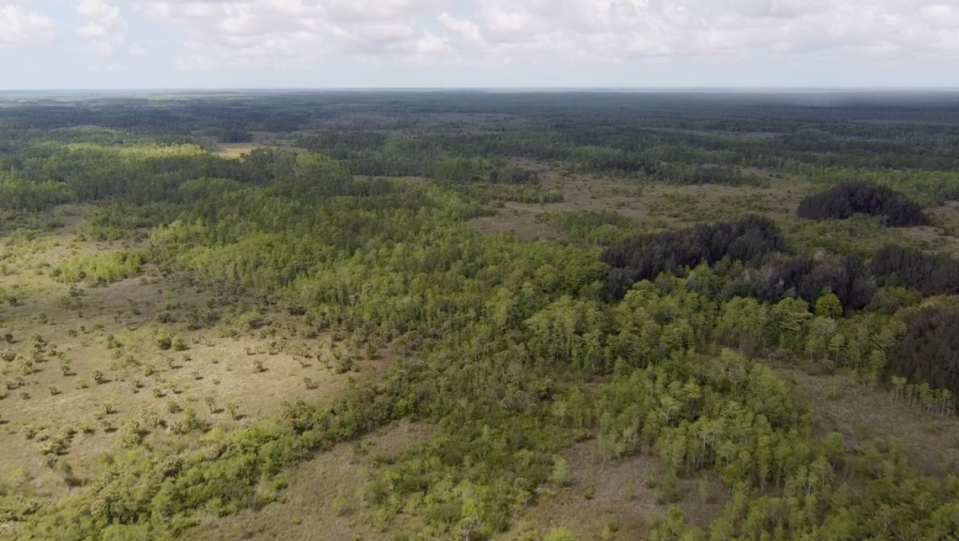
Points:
[(198, 44)]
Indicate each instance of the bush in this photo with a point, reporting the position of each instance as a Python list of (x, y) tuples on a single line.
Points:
[(561, 474), (101, 268), (560, 534)]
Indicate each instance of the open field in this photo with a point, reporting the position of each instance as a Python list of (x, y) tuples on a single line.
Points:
[(84, 359)]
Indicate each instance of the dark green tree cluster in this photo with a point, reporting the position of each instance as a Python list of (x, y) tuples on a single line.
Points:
[(842, 201), (747, 239), (929, 351), (929, 273)]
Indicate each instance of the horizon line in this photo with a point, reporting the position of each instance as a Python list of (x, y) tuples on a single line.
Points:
[(773, 89)]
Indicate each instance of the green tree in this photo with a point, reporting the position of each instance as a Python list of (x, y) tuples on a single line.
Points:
[(829, 306)]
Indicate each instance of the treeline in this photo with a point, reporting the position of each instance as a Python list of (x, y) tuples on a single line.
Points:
[(842, 201), (807, 277), (763, 271), (513, 176), (19, 195), (693, 141)]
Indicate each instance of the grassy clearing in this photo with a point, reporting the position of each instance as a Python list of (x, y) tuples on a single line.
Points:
[(83, 359), (324, 499), (656, 206)]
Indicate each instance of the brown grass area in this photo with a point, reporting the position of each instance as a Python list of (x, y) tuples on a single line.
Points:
[(943, 233), (653, 205), (137, 374), (318, 504), (657, 206), (866, 414), (617, 495), (233, 151), (519, 222)]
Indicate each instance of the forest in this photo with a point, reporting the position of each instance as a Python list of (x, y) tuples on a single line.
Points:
[(482, 316)]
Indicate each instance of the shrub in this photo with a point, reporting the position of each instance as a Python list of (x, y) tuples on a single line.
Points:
[(100, 268), (560, 534), (561, 474)]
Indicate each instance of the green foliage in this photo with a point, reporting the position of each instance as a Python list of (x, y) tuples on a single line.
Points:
[(560, 534), (496, 194), (561, 474), (829, 306), (596, 228), (19, 195), (106, 268)]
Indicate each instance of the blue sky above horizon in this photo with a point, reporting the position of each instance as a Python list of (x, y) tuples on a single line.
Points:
[(156, 44)]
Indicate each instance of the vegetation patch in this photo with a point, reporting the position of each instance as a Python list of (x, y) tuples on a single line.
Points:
[(597, 228), (642, 258), (846, 199), (101, 268), (932, 274), (929, 353)]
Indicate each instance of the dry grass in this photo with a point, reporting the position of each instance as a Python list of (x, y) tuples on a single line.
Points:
[(653, 205), (657, 206), (519, 222), (621, 496), (232, 151), (319, 503), (113, 330), (866, 414)]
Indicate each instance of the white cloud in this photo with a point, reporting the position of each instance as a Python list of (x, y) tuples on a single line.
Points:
[(19, 27), (257, 33), (252, 34), (614, 30), (346, 11), (101, 26)]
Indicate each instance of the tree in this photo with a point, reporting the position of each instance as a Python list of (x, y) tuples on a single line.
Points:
[(829, 306)]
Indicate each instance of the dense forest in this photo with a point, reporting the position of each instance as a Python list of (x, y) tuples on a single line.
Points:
[(636, 319), (844, 200)]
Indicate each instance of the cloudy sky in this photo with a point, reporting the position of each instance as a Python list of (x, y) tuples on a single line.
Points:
[(86, 44)]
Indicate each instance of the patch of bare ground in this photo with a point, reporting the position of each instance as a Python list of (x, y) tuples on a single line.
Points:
[(521, 223), (318, 504), (615, 499), (866, 414)]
